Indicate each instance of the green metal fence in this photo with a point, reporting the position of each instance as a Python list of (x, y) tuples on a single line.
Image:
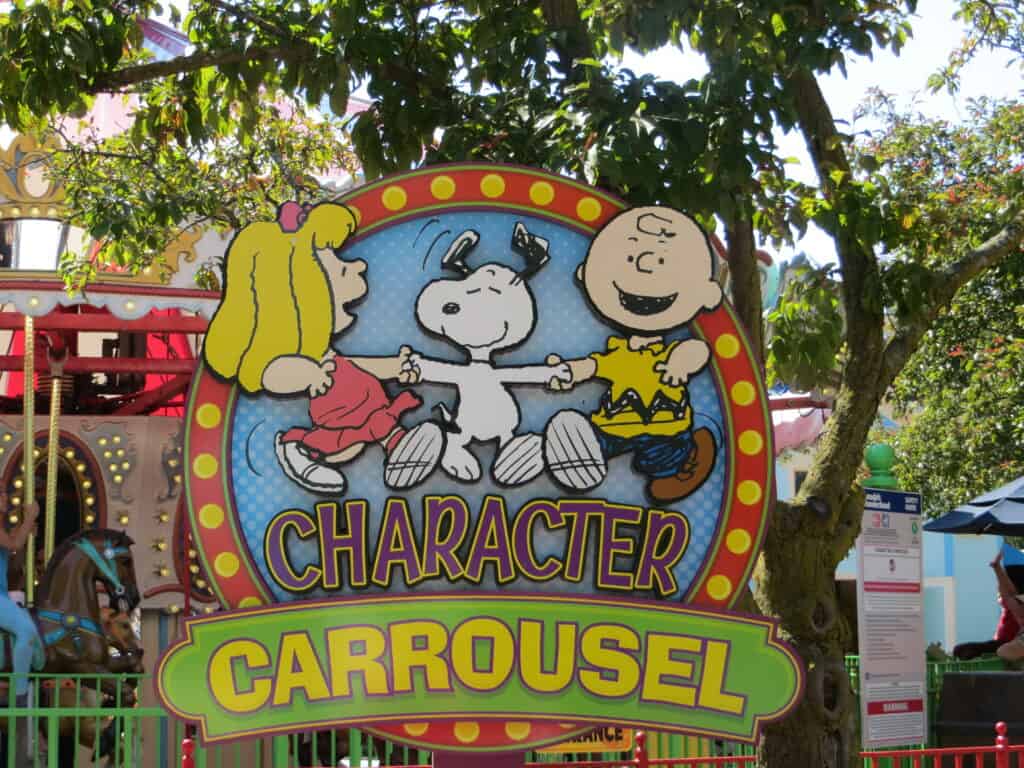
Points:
[(69, 725)]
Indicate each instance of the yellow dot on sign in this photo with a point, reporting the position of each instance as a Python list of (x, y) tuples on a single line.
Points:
[(208, 416), (226, 565), (541, 193), (749, 492), (415, 729), (517, 731), (394, 198), (442, 187), (751, 442), (467, 733), (743, 393), (250, 602), (719, 587), (205, 465), (211, 516), (492, 185), (588, 209), (738, 541), (727, 346)]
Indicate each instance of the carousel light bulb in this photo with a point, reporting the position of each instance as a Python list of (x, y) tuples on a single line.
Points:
[(201, 583), (89, 501), (126, 465), (13, 519), (177, 479), (117, 439), (193, 569), (113, 467), (209, 609), (161, 570), (173, 608), (120, 452), (107, 454), (102, 441), (192, 553), (87, 484), (159, 545), (123, 519), (162, 517), (8, 437), (90, 519), (80, 468), (36, 452), (118, 478), (69, 454), (172, 463), (129, 305), (16, 500), (18, 483)]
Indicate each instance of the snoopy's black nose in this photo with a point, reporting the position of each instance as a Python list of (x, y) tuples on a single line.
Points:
[(451, 308)]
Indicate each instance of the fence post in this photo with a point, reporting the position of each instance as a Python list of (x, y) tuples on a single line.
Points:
[(1002, 743), (188, 749), (640, 759)]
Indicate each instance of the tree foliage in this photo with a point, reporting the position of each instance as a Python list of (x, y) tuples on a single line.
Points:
[(537, 82)]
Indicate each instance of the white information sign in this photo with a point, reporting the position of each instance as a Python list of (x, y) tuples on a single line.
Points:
[(890, 620)]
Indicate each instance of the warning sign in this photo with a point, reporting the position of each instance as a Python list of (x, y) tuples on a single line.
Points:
[(597, 740)]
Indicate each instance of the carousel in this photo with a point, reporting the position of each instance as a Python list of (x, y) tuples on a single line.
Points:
[(92, 387)]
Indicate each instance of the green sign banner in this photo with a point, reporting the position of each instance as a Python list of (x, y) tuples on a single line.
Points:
[(405, 658)]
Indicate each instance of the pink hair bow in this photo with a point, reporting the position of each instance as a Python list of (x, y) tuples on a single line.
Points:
[(292, 215)]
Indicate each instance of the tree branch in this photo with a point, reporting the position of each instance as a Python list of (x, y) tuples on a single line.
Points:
[(141, 73), (945, 284)]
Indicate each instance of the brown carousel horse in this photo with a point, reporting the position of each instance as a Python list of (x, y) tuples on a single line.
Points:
[(68, 612)]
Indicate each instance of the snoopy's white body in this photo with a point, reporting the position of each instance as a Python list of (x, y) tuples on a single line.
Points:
[(488, 310)]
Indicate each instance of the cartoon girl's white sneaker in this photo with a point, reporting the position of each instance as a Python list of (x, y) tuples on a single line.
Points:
[(304, 471), (414, 457), (573, 453)]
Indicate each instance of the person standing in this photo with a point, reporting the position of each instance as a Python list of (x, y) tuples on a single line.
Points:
[(15, 619)]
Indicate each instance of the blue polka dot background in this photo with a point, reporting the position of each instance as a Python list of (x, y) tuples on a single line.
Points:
[(401, 260)]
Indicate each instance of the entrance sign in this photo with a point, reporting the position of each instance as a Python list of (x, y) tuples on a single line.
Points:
[(890, 608), (516, 500), (610, 739)]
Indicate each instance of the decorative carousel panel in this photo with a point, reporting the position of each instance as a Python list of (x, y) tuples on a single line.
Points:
[(120, 473)]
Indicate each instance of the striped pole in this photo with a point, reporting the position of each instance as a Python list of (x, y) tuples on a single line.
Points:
[(53, 443), (28, 455)]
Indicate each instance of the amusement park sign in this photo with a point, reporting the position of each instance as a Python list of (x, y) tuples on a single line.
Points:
[(516, 500)]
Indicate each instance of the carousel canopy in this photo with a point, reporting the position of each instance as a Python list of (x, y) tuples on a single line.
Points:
[(998, 512)]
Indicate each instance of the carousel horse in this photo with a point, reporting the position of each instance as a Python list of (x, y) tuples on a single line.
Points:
[(67, 609), (125, 658)]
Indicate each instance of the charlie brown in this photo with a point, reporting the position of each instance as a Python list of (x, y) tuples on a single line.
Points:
[(649, 271)]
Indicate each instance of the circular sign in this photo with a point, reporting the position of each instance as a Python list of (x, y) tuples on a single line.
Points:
[(529, 389)]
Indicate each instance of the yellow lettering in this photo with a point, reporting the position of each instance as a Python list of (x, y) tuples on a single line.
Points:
[(405, 656), (357, 651), (531, 656), (712, 681), (483, 677), (225, 686), (616, 672), (661, 665), (298, 670)]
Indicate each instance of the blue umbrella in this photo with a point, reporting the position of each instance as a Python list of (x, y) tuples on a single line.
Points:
[(999, 512)]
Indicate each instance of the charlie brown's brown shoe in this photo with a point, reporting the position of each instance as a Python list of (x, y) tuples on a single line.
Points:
[(691, 475)]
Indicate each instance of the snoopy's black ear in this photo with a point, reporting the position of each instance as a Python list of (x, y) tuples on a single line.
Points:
[(532, 248), (457, 253)]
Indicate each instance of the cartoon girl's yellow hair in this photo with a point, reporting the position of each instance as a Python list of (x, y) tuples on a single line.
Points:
[(277, 300)]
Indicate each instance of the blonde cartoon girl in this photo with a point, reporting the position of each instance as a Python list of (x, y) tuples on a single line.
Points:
[(287, 292)]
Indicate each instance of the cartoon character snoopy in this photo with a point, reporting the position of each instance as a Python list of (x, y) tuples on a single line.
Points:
[(484, 311)]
